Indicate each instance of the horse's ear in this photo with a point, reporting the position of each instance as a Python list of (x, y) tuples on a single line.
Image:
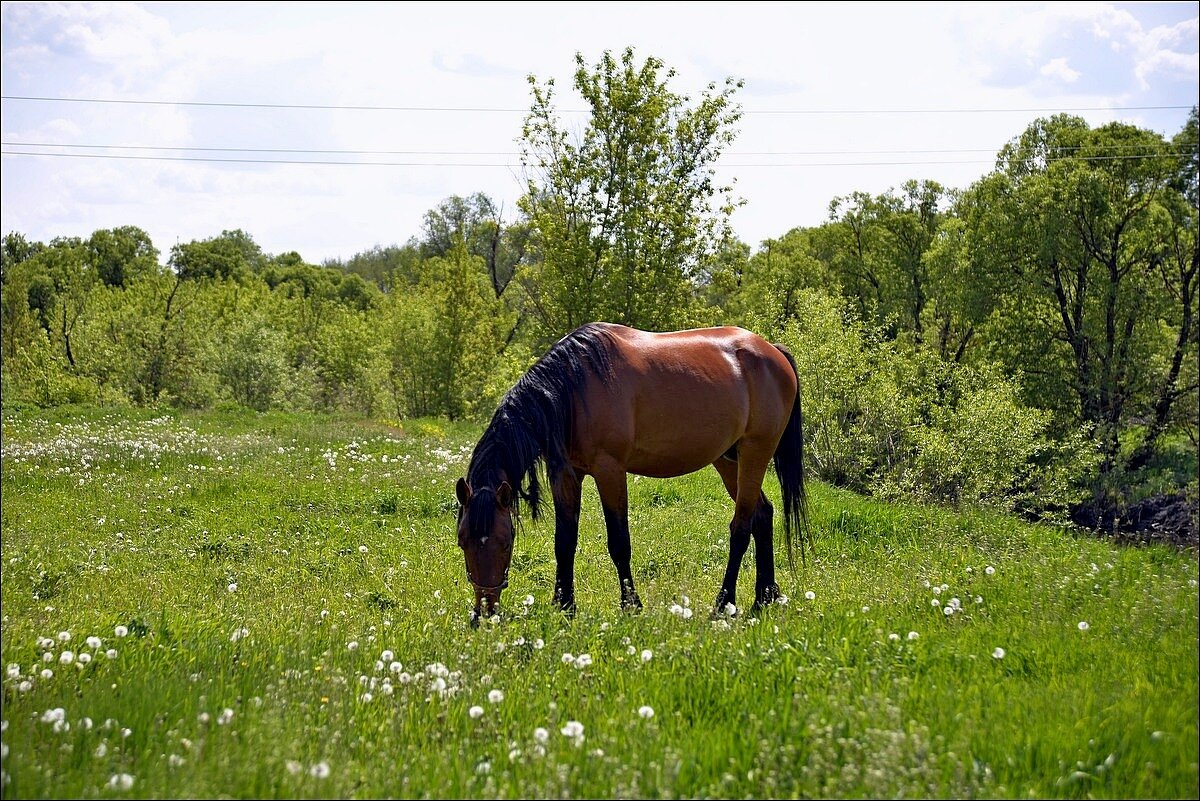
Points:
[(504, 495), (463, 491)]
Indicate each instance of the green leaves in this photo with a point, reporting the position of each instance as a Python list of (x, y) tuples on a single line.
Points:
[(626, 211)]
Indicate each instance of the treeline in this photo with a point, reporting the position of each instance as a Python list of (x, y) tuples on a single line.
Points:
[(1029, 342)]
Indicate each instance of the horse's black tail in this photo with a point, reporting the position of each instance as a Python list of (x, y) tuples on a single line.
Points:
[(789, 467)]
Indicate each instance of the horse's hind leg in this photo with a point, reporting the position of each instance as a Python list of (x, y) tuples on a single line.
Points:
[(762, 529), (765, 589), (746, 478), (614, 499)]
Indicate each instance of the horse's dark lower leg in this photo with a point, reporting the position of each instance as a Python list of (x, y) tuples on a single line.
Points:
[(743, 480), (739, 541), (617, 523), (763, 526), (565, 542), (567, 492), (614, 499)]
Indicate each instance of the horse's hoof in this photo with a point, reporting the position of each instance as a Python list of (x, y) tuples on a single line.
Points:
[(474, 620), (632, 604), (724, 610), (767, 595)]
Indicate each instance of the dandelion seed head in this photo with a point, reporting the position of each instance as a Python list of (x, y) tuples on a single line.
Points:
[(998, 653), (1083, 625), (646, 712), (120, 781), (496, 696)]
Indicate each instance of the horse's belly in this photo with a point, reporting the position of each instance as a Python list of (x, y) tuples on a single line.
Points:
[(685, 434)]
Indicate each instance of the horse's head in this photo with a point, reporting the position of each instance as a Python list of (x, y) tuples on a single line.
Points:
[(485, 533)]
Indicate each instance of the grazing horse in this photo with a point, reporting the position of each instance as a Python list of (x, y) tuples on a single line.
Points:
[(608, 400)]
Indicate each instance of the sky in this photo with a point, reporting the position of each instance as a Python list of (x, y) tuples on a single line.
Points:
[(838, 98)]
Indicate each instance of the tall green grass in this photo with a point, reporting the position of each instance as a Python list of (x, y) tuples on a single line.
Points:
[(261, 565)]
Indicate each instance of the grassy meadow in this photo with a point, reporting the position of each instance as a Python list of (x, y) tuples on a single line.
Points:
[(231, 604)]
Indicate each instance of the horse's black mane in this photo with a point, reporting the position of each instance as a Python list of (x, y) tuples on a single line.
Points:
[(533, 424)]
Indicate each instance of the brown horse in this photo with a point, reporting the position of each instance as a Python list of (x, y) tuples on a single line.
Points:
[(606, 401)]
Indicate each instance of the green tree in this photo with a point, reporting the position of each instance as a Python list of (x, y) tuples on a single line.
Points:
[(627, 218), (1087, 252), (120, 255), (880, 258), (233, 254)]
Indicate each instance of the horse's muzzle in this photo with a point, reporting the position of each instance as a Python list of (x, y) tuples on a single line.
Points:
[(486, 598)]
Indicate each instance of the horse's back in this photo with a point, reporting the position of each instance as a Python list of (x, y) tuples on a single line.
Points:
[(679, 400)]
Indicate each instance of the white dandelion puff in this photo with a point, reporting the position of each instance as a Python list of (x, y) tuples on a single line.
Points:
[(120, 781)]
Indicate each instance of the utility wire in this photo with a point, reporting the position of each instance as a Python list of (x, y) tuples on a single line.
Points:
[(171, 148), (315, 162), (480, 109)]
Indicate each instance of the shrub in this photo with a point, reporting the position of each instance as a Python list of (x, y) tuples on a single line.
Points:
[(895, 421)]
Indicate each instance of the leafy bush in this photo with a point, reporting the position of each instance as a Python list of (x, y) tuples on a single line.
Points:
[(253, 362), (893, 421)]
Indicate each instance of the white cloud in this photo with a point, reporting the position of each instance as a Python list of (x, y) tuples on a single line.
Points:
[(809, 57), (1059, 69), (1165, 49)]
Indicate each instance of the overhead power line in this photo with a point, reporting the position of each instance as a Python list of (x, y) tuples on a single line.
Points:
[(486, 109), (324, 163), (324, 151)]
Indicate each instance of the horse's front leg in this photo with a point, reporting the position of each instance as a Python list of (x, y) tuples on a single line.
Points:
[(567, 491), (614, 499)]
